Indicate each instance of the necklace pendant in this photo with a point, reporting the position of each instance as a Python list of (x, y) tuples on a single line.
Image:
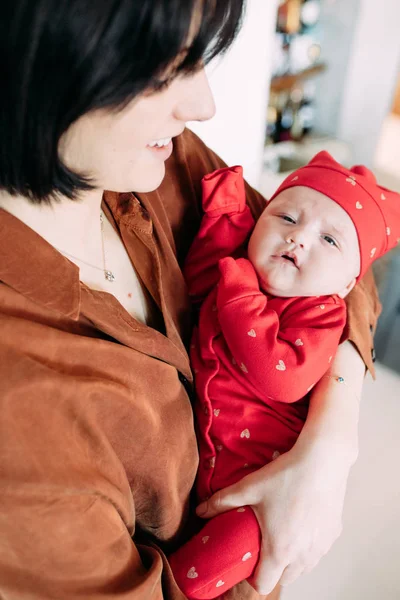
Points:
[(109, 275)]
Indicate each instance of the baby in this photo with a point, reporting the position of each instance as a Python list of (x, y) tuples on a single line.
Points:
[(272, 315)]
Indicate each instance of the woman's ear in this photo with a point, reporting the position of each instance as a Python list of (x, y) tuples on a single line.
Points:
[(347, 289)]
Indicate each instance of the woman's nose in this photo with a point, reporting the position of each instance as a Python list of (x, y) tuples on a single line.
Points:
[(196, 101)]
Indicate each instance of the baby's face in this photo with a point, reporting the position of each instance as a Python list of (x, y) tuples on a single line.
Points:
[(323, 257)]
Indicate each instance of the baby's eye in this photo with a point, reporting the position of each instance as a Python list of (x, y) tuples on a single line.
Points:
[(330, 240), (287, 218)]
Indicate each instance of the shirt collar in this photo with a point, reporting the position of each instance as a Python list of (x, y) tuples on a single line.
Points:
[(32, 267)]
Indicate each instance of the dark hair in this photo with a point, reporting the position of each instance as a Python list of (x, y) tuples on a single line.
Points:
[(63, 58)]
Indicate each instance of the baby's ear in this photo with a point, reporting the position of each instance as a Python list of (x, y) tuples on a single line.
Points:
[(347, 289)]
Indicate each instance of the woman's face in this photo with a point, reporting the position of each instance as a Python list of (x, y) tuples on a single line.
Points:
[(116, 149)]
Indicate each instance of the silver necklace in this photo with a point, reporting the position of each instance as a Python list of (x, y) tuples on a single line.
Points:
[(109, 275)]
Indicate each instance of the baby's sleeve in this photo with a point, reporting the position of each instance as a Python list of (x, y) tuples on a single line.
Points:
[(224, 229), (282, 355)]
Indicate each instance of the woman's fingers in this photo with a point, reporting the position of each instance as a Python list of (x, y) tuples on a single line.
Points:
[(292, 572), (298, 507), (273, 568), (267, 574), (231, 497)]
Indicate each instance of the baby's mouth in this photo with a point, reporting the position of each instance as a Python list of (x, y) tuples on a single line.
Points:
[(288, 258), (291, 257)]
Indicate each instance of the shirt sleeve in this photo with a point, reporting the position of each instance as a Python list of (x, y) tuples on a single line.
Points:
[(194, 159), (363, 310), (224, 228), (282, 356)]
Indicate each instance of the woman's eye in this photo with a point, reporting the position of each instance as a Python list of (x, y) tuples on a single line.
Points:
[(159, 85), (287, 218), (330, 240)]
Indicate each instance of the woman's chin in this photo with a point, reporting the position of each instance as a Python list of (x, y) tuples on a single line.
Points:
[(146, 179), (149, 181)]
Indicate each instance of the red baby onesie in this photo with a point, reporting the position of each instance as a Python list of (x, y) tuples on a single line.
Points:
[(255, 358)]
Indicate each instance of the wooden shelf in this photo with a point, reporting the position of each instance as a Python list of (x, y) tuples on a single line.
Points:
[(286, 82)]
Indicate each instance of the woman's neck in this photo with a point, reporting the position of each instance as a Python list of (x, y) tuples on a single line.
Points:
[(70, 226)]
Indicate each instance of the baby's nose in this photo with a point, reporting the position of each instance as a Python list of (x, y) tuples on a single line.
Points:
[(300, 236)]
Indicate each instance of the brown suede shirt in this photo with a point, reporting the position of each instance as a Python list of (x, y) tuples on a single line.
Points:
[(97, 447)]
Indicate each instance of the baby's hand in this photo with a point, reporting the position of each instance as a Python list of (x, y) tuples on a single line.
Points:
[(238, 270), (238, 279), (224, 192)]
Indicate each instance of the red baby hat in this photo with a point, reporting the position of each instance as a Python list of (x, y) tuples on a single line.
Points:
[(374, 210)]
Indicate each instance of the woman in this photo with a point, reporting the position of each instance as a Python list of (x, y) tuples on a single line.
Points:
[(97, 446)]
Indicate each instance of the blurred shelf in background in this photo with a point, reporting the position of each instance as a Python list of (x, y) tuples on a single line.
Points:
[(283, 158), (287, 82), (296, 64)]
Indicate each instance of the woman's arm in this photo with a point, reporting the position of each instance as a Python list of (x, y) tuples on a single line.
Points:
[(334, 406), (298, 498)]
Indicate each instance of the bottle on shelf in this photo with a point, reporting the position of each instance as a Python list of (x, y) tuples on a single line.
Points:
[(310, 13), (289, 12)]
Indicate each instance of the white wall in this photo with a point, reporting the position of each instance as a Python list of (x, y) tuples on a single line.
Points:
[(364, 563), (337, 24), (371, 76), (240, 83)]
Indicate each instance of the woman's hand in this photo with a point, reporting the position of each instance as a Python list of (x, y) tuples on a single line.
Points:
[(298, 498), (298, 501)]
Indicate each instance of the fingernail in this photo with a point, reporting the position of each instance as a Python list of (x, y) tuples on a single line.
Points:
[(202, 509)]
